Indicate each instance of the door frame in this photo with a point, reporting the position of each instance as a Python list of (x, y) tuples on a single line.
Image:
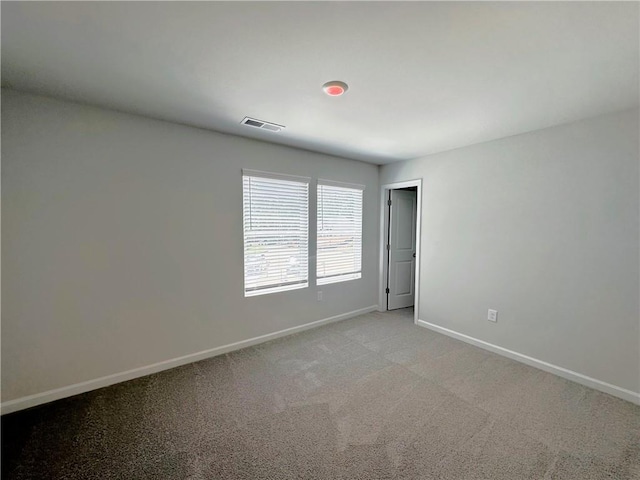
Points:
[(384, 220)]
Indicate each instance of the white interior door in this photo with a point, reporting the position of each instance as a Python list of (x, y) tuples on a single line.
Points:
[(402, 249)]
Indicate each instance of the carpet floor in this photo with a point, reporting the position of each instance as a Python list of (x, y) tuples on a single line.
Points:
[(373, 397)]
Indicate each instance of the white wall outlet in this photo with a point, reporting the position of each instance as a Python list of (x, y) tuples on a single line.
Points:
[(492, 315), (320, 298)]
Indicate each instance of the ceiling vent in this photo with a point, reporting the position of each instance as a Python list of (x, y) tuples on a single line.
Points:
[(252, 122)]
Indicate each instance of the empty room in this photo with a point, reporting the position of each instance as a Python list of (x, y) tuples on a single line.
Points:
[(320, 240)]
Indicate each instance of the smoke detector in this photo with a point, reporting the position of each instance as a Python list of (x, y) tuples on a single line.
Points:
[(252, 122), (335, 88)]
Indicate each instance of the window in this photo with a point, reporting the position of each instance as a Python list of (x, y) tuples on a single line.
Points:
[(339, 232), (276, 232)]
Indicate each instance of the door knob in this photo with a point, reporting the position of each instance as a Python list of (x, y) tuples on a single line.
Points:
[(414, 255)]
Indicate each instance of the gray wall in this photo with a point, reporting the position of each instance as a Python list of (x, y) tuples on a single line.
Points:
[(122, 243), (544, 228)]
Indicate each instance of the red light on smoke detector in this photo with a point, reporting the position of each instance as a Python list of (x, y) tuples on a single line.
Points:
[(335, 89)]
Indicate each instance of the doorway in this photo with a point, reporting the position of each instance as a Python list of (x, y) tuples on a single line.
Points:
[(400, 244)]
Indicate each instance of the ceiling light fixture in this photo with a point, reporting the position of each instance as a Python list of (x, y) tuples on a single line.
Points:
[(335, 88)]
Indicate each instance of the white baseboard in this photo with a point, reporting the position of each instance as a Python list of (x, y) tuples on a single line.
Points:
[(82, 387), (619, 392)]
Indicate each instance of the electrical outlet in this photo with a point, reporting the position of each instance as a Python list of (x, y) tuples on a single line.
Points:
[(492, 315), (320, 298)]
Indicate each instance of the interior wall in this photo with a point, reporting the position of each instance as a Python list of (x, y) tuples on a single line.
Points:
[(122, 242), (542, 227)]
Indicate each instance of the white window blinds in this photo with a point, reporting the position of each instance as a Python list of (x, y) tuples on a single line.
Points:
[(276, 232), (339, 232)]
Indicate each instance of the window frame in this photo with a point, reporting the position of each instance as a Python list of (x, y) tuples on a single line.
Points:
[(276, 287), (343, 276)]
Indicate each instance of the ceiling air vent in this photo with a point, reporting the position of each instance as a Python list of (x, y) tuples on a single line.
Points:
[(252, 122)]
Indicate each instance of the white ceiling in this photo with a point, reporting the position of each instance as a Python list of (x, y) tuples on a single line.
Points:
[(424, 76)]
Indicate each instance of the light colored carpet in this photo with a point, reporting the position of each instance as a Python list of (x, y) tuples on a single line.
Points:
[(374, 397)]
